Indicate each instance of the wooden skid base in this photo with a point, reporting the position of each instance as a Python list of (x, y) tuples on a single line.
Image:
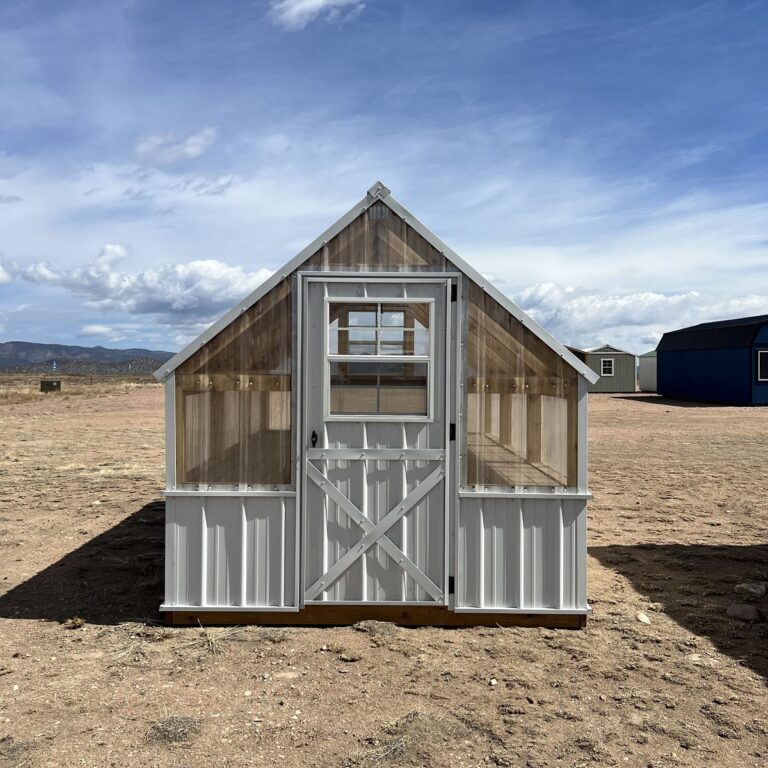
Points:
[(343, 615)]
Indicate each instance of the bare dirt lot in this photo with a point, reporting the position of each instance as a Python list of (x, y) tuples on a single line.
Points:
[(88, 677)]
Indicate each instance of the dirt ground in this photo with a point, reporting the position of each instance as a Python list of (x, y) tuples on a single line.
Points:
[(88, 677)]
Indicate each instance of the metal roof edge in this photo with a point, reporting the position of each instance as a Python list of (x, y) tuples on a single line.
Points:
[(378, 191), (610, 346)]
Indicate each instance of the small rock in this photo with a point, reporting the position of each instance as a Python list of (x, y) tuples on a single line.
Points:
[(751, 588), (493, 681), (74, 623), (643, 618), (349, 657), (743, 612)]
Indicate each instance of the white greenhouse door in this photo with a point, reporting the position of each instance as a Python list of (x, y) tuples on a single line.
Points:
[(375, 433)]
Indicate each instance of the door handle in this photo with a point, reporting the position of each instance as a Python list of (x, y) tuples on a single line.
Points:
[(313, 439)]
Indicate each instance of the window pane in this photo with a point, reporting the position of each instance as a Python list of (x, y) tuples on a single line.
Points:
[(361, 341), (762, 365), (395, 341), (405, 315), (379, 388), (392, 318), (392, 341), (403, 390), (360, 318)]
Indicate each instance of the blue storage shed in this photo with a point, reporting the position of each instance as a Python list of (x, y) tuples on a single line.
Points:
[(721, 362)]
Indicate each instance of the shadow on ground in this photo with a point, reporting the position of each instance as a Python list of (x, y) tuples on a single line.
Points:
[(114, 577), (670, 402), (695, 585)]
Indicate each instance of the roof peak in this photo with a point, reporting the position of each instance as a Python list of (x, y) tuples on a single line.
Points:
[(379, 191)]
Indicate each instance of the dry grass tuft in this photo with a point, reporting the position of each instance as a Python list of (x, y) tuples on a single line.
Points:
[(134, 635), (212, 640), (402, 741), (381, 633), (172, 730)]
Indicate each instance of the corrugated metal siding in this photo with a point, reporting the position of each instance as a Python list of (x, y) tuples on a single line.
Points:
[(706, 375), (759, 388), (224, 551), (522, 553), (647, 375), (624, 378)]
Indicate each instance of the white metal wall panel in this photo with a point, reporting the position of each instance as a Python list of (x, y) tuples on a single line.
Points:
[(230, 551), (648, 374), (521, 553)]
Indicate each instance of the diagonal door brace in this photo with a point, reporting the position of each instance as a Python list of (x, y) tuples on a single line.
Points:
[(375, 533)]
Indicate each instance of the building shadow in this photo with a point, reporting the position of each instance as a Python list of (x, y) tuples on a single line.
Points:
[(116, 576), (670, 402), (695, 585)]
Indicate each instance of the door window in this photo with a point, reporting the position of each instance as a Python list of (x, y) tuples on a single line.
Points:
[(379, 358)]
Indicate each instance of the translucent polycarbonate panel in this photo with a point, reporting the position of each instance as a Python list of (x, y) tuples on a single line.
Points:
[(378, 241), (233, 400), (376, 388), (521, 415)]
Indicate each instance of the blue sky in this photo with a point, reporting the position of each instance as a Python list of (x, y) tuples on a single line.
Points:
[(603, 162)]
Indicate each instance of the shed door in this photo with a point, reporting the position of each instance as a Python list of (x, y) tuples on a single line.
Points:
[(375, 432)]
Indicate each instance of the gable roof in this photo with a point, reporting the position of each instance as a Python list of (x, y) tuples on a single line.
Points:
[(381, 193), (721, 334), (608, 349)]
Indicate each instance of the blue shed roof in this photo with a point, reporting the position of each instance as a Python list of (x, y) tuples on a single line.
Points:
[(722, 334)]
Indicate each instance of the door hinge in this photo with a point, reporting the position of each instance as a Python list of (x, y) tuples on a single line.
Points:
[(451, 582), (454, 291), (452, 432)]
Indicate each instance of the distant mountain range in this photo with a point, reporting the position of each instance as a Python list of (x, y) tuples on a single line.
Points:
[(27, 357)]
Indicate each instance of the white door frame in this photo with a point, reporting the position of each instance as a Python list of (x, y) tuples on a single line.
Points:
[(376, 533)]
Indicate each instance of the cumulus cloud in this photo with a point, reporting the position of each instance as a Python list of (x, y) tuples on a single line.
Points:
[(296, 14), (169, 148), (96, 330), (588, 318), (5, 276), (178, 295)]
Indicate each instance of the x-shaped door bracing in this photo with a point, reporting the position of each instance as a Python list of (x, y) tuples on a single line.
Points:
[(374, 534)]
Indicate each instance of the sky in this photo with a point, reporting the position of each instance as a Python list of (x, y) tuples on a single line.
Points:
[(604, 163)]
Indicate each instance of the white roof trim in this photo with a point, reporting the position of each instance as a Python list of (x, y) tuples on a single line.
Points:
[(378, 192), (605, 347)]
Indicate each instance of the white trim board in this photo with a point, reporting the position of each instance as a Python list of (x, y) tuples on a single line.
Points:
[(381, 193)]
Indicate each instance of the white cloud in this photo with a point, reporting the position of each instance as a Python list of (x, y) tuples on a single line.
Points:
[(5, 276), (169, 148), (172, 294), (96, 330), (635, 321), (296, 14)]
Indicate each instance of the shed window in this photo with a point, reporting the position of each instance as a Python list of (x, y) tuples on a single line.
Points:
[(606, 366), (379, 358), (762, 365)]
